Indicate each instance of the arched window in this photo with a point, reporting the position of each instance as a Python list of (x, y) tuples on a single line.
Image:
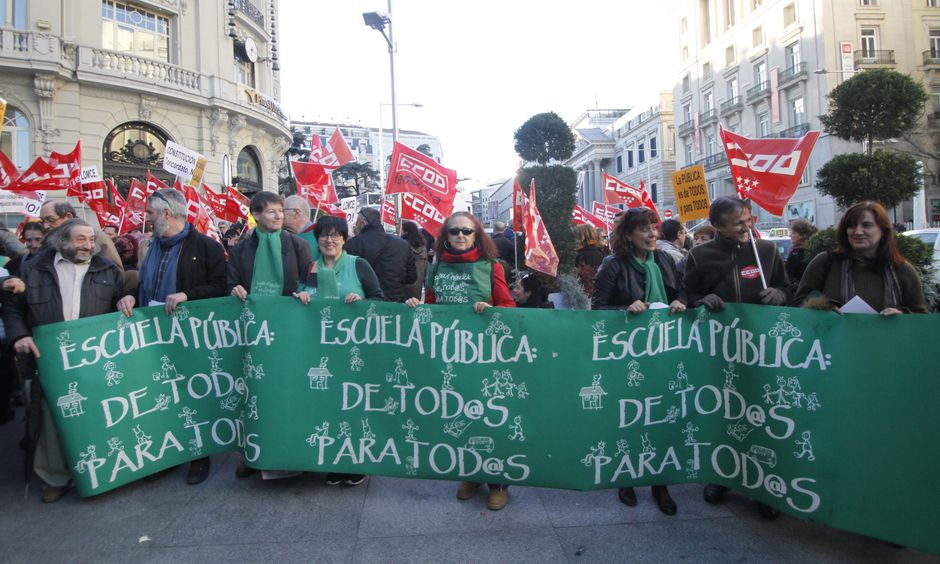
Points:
[(248, 172), (130, 150), (15, 138)]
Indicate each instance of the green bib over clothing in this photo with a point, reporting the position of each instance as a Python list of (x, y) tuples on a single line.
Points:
[(655, 290), (461, 282), (339, 281), (267, 279)]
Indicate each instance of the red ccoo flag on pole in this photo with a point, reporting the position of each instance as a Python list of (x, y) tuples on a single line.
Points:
[(619, 192), (416, 173), (518, 206), (767, 171), (340, 148), (540, 253), (580, 216)]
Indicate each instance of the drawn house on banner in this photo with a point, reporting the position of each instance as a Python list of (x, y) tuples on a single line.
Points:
[(71, 403), (319, 376), (591, 396)]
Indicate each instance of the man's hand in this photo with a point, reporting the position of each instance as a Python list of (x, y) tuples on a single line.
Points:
[(126, 305), (174, 300), (773, 296), (480, 306), (304, 297), (638, 306), (14, 285), (676, 307), (351, 297), (412, 302), (889, 311), (713, 303), (25, 345), (240, 293)]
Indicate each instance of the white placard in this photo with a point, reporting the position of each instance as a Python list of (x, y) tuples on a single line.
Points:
[(180, 161), (90, 174), (13, 202)]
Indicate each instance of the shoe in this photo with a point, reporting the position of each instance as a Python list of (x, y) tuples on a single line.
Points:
[(52, 494), (627, 496), (335, 478), (467, 490), (198, 471), (158, 475), (354, 479), (244, 471), (767, 512), (664, 500), (714, 493), (499, 497)]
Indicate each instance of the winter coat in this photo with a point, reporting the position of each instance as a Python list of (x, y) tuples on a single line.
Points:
[(619, 282), (295, 254), (727, 268), (390, 257)]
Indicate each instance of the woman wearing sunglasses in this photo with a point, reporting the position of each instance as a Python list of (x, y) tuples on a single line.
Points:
[(466, 272), (635, 276)]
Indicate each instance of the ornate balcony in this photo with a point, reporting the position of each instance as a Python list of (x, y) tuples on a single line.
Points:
[(685, 128), (758, 92), (796, 131), (707, 117), (712, 162), (874, 57), (932, 58), (731, 106), (250, 11), (793, 74), (130, 67)]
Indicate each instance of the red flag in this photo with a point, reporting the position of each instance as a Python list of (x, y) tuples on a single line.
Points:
[(416, 173), (605, 213), (580, 216), (217, 202), (134, 207), (70, 167), (388, 211), (321, 155), (518, 207), (314, 182), (540, 254), (417, 209), (340, 148), (618, 192), (116, 197), (8, 172), (95, 195), (767, 171), (153, 183), (60, 172), (334, 210), (237, 205)]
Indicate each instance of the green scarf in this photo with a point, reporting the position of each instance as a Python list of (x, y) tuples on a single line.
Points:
[(655, 290), (339, 281), (267, 278)]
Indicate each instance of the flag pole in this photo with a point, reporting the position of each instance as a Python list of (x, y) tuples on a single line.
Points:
[(760, 268)]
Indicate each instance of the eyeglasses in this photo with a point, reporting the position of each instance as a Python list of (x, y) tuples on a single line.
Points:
[(333, 236), (50, 219), (465, 231), (295, 210)]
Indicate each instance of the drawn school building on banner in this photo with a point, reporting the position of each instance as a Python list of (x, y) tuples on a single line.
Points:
[(126, 77)]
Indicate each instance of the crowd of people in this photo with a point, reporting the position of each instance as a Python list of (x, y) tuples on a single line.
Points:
[(63, 268)]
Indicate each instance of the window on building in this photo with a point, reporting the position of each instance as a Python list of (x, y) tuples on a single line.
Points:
[(729, 13), (708, 101), (130, 150), (687, 112), (933, 3), (13, 13), (804, 179), (755, 4), (686, 83), (797, 112), (868, 2), (654, 192), (706, 12), (653, 150), (244, 70), (933, 38), (248, 169), (641, 153), (757, 36), (707, 71), (869, 40), (135, 31), (619, 163), (760, 74), (733, 90), (685, 53), (711, 145), (711, 191), (683, 25), (730, 55), (15, 138), (629, 158), (689, 154), (792, 54), (789, 14), (763, 124)]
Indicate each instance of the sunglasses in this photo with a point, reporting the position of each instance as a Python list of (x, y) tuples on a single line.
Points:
[(465, 231)]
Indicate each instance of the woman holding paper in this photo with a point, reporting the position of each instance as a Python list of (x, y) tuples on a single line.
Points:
[(340, 276), (866, 263), (633, 278), (466, 272)]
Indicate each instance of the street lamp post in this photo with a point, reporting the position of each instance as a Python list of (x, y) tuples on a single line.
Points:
[(378, 22), (382, 141)]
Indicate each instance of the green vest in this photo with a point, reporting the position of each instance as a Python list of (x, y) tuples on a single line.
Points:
[(311, 240), (461, 282), (345, 275)]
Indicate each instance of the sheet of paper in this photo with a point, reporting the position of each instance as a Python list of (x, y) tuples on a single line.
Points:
[(857, 305), (658, 305), (154, 303)]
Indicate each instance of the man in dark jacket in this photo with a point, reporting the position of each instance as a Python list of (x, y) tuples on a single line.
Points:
[(726, 270), (504, 247), (389, 256), (181, 265), (68, 280)]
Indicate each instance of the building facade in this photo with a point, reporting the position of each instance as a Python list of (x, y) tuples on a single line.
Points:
[(763, 68), (126, 77)]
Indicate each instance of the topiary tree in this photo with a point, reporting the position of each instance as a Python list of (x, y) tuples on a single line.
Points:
[(874, 105), (555, 188), (885, 177), (544, 137)]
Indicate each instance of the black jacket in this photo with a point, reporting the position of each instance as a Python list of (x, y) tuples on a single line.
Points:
[(41, 303), (295, 254), (506, 251), (390, 258), (727, 268), (200, 268), (619, 283)]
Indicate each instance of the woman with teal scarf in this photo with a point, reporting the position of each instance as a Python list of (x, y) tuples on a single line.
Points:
[(633, 277), (337, 275)]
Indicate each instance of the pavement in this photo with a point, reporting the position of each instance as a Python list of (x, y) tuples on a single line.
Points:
[(394, 520)]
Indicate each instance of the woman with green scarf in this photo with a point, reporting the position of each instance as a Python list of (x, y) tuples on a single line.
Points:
[(636, 275), (339, 276)]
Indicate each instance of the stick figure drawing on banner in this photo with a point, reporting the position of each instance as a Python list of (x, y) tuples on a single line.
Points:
[(806, 447)]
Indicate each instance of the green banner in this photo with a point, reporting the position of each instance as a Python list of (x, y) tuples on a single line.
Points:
[(826, 417)]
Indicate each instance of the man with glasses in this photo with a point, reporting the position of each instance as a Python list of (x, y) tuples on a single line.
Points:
[(270, 262), (54, 212), (181, 265), (297, 221), (388, 255)]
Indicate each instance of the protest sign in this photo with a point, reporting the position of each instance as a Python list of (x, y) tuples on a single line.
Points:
[(180, 161), (780, 404), (691, 193)]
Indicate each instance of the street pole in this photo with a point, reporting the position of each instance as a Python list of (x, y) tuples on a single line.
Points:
[(381, 151), (391, 64)]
